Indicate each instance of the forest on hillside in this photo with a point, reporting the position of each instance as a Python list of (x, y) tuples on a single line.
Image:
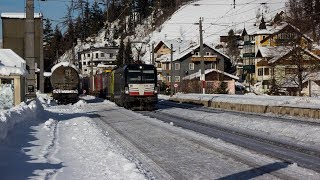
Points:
[(83, 20)]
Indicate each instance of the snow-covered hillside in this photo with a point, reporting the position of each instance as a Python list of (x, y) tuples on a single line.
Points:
[(219, 16)]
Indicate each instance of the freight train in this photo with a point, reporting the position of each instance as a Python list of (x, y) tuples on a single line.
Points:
[(65, 83), (133, 86)]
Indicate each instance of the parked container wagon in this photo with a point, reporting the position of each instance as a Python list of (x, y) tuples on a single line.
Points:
[(65, 83)]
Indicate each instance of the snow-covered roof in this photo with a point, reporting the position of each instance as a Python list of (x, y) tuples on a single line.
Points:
[(263, 32), (198, 74), (188, 49), (279, 27), (65, 64), (11, 63), (19, 15), (47, 74), (272, 52), (276, 58)]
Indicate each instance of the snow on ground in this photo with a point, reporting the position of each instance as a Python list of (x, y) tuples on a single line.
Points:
[(42, 140), (59, 142)]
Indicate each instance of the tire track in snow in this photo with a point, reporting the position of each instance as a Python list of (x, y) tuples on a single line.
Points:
[(52, 147)]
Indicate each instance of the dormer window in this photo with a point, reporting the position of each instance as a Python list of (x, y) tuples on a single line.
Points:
[(197, 54)]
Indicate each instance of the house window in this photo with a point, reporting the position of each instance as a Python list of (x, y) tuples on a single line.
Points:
[(111, 55), (166, 66), (266, 71), (85, 70), (177, 79), (289, 71), (97, 55), (102, 55), (260, 72), (84, 63), (88, 55), (208, 54), (164, 78), (191, 66), (197, 54), (168, 78), (177, 66)]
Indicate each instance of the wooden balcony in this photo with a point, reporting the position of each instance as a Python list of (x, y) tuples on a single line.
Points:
[(206, 58)]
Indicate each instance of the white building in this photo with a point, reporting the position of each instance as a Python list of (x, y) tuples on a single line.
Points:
[(101, 59)]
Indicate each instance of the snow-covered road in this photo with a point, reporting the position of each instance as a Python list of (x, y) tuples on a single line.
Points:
[(95, 139)]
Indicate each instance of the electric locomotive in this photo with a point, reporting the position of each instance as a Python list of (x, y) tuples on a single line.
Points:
[(134, 86)]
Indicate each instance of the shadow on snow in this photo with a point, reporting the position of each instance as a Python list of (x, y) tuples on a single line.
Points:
[(252, 173)]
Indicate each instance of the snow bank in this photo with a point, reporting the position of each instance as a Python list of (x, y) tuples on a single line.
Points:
[(17, 114)]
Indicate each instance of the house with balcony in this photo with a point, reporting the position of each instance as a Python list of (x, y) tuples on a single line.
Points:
[(97, 60), (282, 64), (252, 37), (276, 35), (186, 60)]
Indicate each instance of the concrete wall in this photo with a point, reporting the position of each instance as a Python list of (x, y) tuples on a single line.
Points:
[(254, 108)]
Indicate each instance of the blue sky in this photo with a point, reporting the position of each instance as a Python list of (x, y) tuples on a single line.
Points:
[(52, 9)]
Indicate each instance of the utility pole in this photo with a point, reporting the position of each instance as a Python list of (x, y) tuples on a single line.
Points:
[(91, 71), (152, 55), (41, 61), (29, 50), (171, 72), (203, 76), (73, 58)]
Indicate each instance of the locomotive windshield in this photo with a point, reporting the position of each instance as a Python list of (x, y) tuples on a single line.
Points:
[(141, 76)]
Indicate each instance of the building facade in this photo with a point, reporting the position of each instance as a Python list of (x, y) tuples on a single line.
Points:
[(13, 32), (96, 60), (186, 60)]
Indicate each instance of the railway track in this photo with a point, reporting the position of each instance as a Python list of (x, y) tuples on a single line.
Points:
[(288, 152)]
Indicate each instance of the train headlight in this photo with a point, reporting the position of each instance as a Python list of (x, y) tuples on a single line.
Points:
[(126, 90), (155, 90)]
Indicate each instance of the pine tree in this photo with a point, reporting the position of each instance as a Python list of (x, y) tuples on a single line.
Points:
[(86, 21), (47, 41), (120, 55), (96, 18), (78, 28), (143, 9), (47, 32), (56, 43), (128, 53), (232, 48)]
